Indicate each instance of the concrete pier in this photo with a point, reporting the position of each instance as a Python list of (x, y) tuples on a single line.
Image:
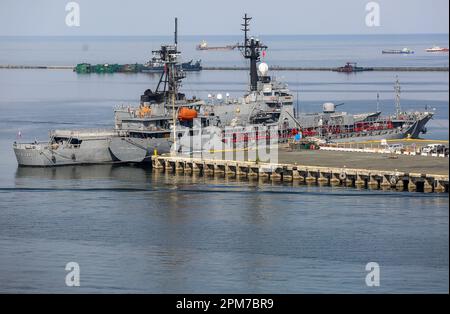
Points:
[(349, 177)]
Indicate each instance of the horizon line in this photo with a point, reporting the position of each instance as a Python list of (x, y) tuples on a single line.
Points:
[(228, 35)]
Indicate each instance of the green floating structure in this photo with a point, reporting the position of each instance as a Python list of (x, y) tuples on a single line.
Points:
[(151, 67), (83, 68)]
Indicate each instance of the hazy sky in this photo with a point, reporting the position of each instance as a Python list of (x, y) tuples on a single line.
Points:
[(149, 17)]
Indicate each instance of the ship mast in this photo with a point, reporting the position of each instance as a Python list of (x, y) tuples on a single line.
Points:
[(251, 49), (174, 115), (176, 33), (172, 75), (171, 78), (378, 102), (174, 122)]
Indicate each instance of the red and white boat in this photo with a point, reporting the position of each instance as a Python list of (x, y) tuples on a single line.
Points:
[(436, 49)]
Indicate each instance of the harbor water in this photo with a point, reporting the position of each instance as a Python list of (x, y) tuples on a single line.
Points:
[(134, 230)]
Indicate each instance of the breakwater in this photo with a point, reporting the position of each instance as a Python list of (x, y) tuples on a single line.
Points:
[(386, 69), (241, 68)]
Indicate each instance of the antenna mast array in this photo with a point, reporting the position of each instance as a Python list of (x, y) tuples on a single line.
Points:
[(251, 49), (172, 75)]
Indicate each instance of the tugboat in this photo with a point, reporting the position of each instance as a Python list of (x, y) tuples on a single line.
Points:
[(351, 67), (138, 132), (137, 135)]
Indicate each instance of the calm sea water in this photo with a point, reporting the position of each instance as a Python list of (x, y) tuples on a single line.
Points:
[(133, 230), (289, 50)]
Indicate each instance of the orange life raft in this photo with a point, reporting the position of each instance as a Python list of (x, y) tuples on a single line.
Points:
[(186, 114)]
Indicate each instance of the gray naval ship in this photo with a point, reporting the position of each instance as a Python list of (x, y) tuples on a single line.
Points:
[(138, 131), (134, 139), (269, 103), (332, 125), (164, 119)]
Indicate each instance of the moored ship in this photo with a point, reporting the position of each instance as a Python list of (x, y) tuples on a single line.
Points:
[(204, 46), (269, 103), (334, 126), (67, 147), (351, 67), (156, 65), (406, 51), (139, 131)]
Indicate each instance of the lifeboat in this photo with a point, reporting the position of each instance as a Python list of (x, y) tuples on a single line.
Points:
[(186, 114)]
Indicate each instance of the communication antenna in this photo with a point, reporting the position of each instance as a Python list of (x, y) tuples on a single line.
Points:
[(378, 102), (176, 32), (397, 89), (246, 28)]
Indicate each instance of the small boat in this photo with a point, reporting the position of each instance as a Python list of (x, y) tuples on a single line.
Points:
[(204, 46), (155, 65), (398, 51), (351, 67), (436, 49)]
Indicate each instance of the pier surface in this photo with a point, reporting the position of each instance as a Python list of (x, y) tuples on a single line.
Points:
[(368, 161)]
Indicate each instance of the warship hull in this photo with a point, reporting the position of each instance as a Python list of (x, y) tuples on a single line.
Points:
[(93, 151), (392, 135), (47, 155), (128, 149), (412, 131)]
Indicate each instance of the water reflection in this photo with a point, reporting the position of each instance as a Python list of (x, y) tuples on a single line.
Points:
[(86, 172)]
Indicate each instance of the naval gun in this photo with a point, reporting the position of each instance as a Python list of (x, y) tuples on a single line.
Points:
[(330, 107)]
